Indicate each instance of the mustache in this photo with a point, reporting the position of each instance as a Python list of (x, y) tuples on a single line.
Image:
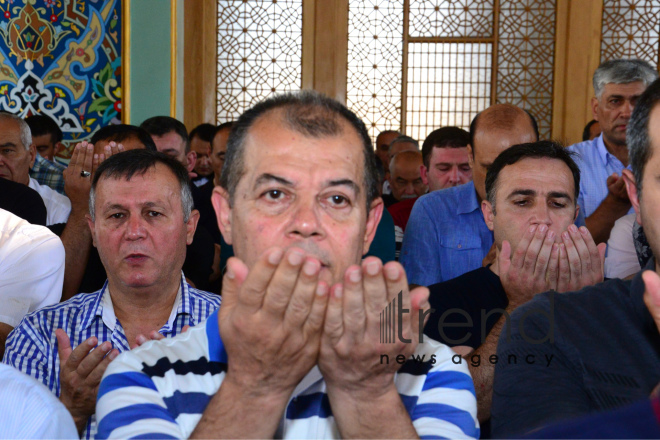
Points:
[(312, 250)]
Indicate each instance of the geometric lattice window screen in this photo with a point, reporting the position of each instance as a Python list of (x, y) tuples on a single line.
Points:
[(525, 59), (631, 29), (448, 83), (457, 62), (375, 48), (259, 52)]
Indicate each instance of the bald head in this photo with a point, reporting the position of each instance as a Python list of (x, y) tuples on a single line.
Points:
[(492, 131), (405, 175), (503, 117)]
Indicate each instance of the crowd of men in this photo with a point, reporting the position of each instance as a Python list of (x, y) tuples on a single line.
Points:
[(281, 276)]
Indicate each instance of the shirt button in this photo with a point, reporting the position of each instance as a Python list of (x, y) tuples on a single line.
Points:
[(459, 246)]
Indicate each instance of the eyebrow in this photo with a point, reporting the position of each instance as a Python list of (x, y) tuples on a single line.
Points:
[(8, 144), (124, 208), (267, 178), (531, 192)]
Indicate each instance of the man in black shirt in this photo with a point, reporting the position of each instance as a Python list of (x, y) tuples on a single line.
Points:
[(531, 205), (23, 201), (605, 343)]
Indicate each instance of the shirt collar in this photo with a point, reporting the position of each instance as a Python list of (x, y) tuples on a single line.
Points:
[(601, 149), (605, 156), (103, 308), (97, 307), (468, 201)]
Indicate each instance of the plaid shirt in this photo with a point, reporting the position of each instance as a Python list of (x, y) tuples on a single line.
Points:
[(48, 173), (32, 346)]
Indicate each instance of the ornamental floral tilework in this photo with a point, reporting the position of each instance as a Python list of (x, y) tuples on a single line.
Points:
[(62, 58)]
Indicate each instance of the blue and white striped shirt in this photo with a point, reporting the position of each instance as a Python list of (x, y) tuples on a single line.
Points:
[(596, 165), (32, 346), (161, 389)]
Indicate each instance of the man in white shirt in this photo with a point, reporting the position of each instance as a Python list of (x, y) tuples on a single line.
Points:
[(31, 270), (29, 410), (17, 155)]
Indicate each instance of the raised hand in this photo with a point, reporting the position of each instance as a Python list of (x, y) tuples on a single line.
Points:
[(78, 175), (581, 261), (271, 320), (154, 336), (351, 347), (81, 370), (533, 266), (617, 188)]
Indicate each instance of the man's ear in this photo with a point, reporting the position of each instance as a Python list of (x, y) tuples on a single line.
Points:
[(470, 156), (633, 194), (423, 171), (489, 215), (373, 220), (222, 207), (191, 158), (90, 224), (577, 211), (191, 226), (59, 146), (594, 108), (33, 154)]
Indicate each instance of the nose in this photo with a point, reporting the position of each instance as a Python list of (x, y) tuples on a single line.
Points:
[(305, 222), (135, 228), (453, 175), (541, 215), (627, 109)]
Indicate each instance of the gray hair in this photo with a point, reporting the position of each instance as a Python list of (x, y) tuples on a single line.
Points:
[(26, 134), (622, 72), (402, 139)]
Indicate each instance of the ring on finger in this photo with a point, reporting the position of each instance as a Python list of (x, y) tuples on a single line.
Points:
[(84, 173)]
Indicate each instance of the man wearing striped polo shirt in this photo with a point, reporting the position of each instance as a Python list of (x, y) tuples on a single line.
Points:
[(141, 219), (297, 348)]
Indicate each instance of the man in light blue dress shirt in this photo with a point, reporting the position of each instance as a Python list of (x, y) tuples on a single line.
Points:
[(603, 199), (446, 235)]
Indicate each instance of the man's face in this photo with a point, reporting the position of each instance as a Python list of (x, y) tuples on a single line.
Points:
[(532, 191), (406, 179), (139, 230), (302, 192), (203, 151), (382, 144), (219, 151), (489, 144), (15, 160), (613, 109), (647, 206), (447, 167), (45, 145), (171, 144)]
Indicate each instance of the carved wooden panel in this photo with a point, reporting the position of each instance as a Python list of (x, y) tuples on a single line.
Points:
[(259, 52)]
